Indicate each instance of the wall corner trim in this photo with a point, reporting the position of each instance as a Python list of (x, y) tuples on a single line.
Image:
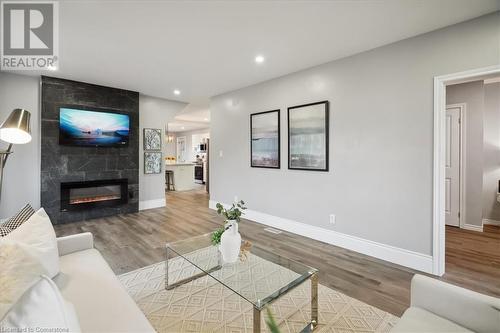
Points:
[(407, 258), (491, 222), (473, 227), (149, 204)]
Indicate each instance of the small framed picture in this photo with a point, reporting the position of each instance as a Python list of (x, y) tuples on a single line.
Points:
[(265, 139), (152, 139), (308, 136), (152, 162)]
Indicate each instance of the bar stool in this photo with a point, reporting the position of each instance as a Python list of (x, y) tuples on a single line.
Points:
[(169, 180)]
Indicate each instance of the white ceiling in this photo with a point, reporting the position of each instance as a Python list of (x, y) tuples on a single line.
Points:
[(196, 115), (202, 116), (197, 110), (186, 126), (205, 48)]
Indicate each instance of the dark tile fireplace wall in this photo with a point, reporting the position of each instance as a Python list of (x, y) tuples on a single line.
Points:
[(70, 163)]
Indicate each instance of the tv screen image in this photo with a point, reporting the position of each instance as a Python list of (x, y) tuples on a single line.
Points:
[(93, 128)]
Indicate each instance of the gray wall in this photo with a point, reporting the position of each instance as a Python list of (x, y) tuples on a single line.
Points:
[(491, 164), (22, 173), (381, 145), (472, 94), (154, 113)]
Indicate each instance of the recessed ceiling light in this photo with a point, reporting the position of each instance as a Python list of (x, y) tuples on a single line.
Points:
[(259, 59), (206, 119), (177, 92), (182, 127)]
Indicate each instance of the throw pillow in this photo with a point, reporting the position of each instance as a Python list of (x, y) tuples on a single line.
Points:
[(38, 235), (20, 271), (41, 309), (22, 216)]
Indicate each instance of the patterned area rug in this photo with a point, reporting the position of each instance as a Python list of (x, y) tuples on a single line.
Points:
[(205, 305)]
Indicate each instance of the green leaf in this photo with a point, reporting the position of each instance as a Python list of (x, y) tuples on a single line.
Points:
[(216, 235), (271, 323), (233, 213)]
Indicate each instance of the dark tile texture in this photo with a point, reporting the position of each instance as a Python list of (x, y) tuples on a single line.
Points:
[(68, 163)]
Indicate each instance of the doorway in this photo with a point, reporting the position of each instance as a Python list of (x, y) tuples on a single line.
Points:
[(440, 208), (187, 159)]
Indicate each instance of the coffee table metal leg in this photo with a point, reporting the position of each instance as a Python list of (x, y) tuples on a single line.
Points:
[(166, 267), (314, 301), (256, 320)]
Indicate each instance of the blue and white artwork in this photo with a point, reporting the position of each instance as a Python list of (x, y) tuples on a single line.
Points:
[(265, 133), (308, 137), (93, 128)]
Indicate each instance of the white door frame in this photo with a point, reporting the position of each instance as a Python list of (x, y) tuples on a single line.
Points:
[(438, 216), (462, 152)]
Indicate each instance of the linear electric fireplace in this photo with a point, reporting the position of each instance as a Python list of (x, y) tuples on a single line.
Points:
[(93, 194)]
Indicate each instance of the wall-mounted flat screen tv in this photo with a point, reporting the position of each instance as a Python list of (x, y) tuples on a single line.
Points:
[(93, 128)]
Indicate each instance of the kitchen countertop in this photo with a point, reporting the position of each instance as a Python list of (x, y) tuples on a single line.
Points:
[(183, 173), (179, 164)]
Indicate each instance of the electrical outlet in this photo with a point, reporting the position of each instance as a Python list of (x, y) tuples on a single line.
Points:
[(221, 153), (332, 218)]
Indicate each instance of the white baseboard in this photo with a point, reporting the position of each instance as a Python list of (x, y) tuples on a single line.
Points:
[(148, 204), (492, 222), (411, 259), (473, 227)]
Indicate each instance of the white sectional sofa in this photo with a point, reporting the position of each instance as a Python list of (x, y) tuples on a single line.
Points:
[(437, 306), (86, 280)]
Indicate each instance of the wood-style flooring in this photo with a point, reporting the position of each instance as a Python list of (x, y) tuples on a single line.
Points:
[(473, 259), (132, 241)]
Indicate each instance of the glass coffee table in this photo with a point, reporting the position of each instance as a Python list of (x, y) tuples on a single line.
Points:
[(259, 276)]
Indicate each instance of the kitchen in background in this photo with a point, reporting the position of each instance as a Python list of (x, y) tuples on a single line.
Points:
[(186, 161)]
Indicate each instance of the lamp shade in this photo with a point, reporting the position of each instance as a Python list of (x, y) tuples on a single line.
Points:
[(16, 128)]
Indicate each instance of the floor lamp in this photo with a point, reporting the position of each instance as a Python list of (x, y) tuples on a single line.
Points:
[(15, 129)]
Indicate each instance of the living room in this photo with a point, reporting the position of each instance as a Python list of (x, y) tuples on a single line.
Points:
[(327, 160)]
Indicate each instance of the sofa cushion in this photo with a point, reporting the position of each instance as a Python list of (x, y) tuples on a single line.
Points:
[(472, 310), (100, 300), (19, 271), (417, 320), (38, 235), (41, 309)]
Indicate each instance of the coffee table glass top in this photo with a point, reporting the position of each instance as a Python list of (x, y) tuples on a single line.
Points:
[(259, 276)]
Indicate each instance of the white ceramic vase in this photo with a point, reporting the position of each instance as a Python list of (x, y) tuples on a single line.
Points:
[(230, 242)]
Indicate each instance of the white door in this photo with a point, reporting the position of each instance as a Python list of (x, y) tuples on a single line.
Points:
[(181, 149), (452, 182)]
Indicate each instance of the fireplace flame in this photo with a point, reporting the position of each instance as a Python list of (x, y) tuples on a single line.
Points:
[(96, 198)]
